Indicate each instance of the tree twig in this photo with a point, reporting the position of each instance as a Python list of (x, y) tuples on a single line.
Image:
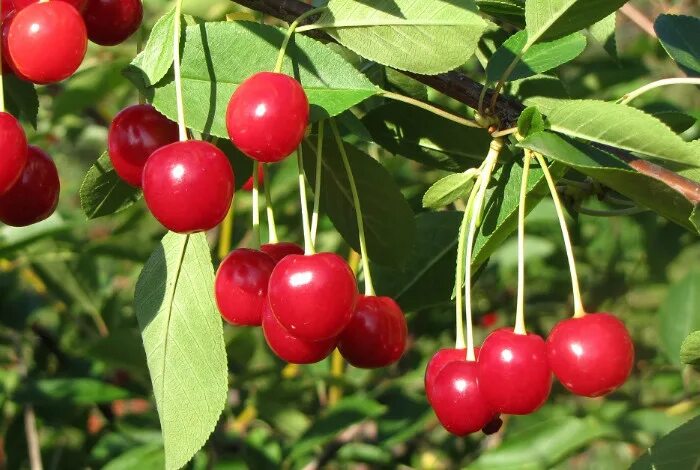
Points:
[(638, 18)]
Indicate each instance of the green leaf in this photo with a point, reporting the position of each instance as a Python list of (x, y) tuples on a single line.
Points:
[(690, 349), (21, 99), (103, 192), (552, 19), (677, 450), (680, 36), (78, 391), (449, 189), (512, 11), (145, 456), (210, 75), (623, 127), (421, 36), (530, 121), (426, 138), (538, 58), (614, 173), (388, 219), (604, 32), (157, 57), (679, 315), (183, 338)]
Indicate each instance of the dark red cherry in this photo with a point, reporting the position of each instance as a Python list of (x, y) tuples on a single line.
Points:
[(493, 426), (280, 250), (514, 374), (241, 286), (46, 42), (135, 133), (248, 185), (592, 355), (111, 22), (313, 296), (267, 116), (290, 348), (20, 4), (376, 335), (458, 401), (188, 186), (13, 143), (34, 196)]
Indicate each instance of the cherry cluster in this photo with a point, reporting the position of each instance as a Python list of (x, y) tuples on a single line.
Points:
[(43, 43), (591, 356)]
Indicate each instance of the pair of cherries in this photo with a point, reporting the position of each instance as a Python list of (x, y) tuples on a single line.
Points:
[(46, 42), (591, 356), (29, 185), (308, 306)]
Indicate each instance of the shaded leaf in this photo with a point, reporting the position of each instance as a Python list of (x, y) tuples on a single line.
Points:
[(74, 391), (146, 456), (680, 36), (677, 450), (604, 32), (21, 99), (679, 315), (530, 121), (103, 192), (551, 19)]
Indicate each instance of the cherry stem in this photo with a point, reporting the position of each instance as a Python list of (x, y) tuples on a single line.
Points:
[(459, 273), (504, 78), (659, 83), (369, 287), (226, 233), (520, 311), (430, 108), (308, 242), (256, 208), (483, 182), (579, 311), (271, 225), (317, 182), (290, 32), (177, 32)]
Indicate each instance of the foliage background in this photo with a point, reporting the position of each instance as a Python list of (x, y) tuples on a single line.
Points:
[(70, 346)]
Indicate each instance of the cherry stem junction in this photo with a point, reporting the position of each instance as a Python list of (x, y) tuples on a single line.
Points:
[(369, 287), (271, 225), (317, 182), (520, 309), (290, 32), (177, 32)]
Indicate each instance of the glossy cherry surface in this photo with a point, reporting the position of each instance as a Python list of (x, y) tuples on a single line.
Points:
[(46, 42), (267, 116), (592, 355), (438, 362), (313, 296), (241, 286), (8, 6), (280, 250), (111, 22), (135, 133), (290, 348), (20, 4), (13, 158), (248, 185), (376, 335), (34, 196), (514, 374), (458, 401), (188, 186)]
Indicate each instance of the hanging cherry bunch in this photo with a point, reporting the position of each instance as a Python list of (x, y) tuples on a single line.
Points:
[(470, 388), (44, 42)]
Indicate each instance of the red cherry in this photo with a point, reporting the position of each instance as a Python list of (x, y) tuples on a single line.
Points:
[(248, 185), (438, 362), (46, 42), (313, 296), (8, 6), (241, 286), (13, 143), (281, 250), (20, 4), (458, 402), (592, 355), (514, 374), (34, 196), (489, 319), (8, 66), (135, 133), (289, 348), (376, 335), (111, 22), (188, 186), (267, 116)]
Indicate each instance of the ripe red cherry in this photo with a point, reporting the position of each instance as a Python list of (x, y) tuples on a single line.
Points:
[(135, 133), (7, 7), (248, 185), (188, 186), (281, 250), (438, 362), (514, 374), (290, 348), (376, 335), (111, 22), (34, 196), (20, 4), (241, 286), (13, 143), (46, 42), (313, 296), (267, 116), (458, 401), (591, 355)]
